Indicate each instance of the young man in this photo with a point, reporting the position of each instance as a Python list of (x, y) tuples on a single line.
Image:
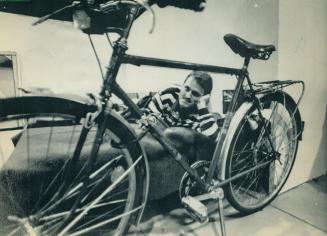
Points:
[(192, 128), (186, 105)]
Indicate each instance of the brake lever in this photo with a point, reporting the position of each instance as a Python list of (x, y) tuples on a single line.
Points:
[(46, 17)]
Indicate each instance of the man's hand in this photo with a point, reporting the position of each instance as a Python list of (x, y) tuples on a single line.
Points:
[(203, 102)]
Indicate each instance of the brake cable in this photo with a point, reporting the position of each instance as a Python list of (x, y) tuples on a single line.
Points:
[(46, 17)]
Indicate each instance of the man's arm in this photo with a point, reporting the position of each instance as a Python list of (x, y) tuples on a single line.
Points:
[(207, 123)]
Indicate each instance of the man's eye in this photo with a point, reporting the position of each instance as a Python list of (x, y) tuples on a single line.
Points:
[(196, 94)]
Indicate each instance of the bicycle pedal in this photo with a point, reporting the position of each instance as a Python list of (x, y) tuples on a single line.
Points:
[(197, 210)]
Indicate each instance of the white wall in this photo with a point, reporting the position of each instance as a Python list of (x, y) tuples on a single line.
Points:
[(56, 55), (303, 56)]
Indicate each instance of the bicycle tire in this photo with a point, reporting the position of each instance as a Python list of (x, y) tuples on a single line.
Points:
[(35, 189), (249, 147)]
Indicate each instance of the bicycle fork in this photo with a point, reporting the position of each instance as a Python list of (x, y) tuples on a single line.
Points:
[(88, 123)]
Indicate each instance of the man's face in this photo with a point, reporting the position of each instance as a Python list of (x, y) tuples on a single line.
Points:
[(190, 94)]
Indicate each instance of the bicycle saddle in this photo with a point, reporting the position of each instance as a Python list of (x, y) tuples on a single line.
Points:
[(247, 49)]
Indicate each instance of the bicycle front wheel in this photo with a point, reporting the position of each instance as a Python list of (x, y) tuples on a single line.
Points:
[(43, 191), (250, 147)]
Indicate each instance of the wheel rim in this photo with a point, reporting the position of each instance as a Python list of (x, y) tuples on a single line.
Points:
[(43, 205), (259, 187)]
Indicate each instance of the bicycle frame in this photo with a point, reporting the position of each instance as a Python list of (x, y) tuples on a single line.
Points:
[(119, 57)]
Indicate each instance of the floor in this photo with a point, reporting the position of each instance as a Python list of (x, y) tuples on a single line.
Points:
[(299, 211)]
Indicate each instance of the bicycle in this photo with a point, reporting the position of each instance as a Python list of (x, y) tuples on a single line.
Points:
[(89, 194)]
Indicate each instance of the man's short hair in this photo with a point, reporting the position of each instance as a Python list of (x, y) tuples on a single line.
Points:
[(203, 79)]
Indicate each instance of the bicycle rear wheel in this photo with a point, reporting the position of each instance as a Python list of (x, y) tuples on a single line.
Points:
[(250, 147), (39, 183)]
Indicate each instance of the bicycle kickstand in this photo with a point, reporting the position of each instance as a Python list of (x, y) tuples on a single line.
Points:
[(220, 193)]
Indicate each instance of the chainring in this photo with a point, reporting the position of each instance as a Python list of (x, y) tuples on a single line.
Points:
[(188, 186)]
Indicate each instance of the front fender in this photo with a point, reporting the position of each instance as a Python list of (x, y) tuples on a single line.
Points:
[(25, 106)]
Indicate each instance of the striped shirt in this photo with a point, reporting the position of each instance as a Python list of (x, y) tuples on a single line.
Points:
[(165, 104)]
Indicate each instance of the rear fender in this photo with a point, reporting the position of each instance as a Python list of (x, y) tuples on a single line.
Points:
[(241, 112)]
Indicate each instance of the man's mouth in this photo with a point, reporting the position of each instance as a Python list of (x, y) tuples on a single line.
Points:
[(186, 101)]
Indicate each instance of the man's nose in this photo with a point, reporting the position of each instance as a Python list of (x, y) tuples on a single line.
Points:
[(188, 94)]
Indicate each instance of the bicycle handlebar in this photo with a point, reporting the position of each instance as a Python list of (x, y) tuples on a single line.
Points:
[(115, 6), (195, 5)]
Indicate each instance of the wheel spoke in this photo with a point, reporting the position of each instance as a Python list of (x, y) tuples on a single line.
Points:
[(83, 231), (15, 231), (108, 190), (96, 219), (75, 190)]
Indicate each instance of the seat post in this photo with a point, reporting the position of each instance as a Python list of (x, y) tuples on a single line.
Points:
[(246, 62)]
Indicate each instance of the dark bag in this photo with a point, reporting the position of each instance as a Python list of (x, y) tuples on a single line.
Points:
[(142, 104)]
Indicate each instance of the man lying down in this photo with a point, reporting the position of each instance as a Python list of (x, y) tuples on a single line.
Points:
[(183, 110)]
